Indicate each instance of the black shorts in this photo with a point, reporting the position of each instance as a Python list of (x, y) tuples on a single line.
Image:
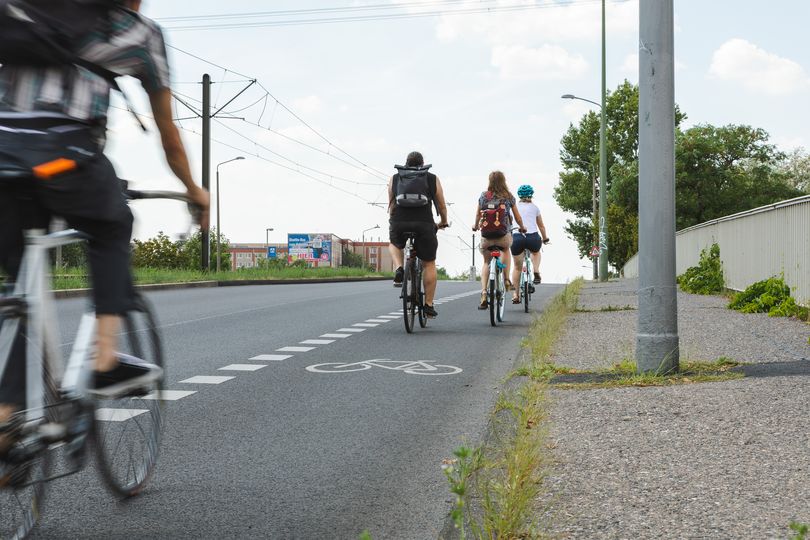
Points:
[(531, 242), (426, 241)]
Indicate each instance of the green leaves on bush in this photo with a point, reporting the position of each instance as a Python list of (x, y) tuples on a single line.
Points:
[(707, 276), (771, 296)]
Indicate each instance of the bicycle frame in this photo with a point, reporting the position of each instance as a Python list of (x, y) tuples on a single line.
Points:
[(32, 288)]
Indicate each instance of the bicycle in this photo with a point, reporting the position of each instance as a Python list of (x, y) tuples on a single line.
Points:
[(496, 288), (413, 289), (61, 419), (526, 287)]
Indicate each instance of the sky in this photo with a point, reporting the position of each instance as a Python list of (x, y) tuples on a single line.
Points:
[(473, 92)]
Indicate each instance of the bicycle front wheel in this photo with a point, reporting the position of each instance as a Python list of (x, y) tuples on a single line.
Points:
[(128, 429), (500, 295), (408, 305), (526, 293), (421, 288), (492, 300)]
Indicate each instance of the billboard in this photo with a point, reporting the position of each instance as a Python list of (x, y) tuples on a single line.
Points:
[(271, 252), (315, 249)]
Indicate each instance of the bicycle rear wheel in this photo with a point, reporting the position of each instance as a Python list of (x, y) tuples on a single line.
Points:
[(526, 292), (408, 306), (21, 499), (423, 320), (500, 295), (128, 429), (492, 300)]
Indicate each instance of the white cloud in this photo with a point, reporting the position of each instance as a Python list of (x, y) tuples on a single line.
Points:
[(307, 105), (553, 22), (738, 60), (548, 62), (575, 109)]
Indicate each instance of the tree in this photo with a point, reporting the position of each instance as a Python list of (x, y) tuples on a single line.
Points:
[(441, 273), (352, 259), (796, 168), (157, 252), (191, 251)]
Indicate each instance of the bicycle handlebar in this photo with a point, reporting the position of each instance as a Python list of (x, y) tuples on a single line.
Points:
[(194, 209)]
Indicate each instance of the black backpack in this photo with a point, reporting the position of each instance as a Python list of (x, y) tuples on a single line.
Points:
[(412, 189), (45, 33)]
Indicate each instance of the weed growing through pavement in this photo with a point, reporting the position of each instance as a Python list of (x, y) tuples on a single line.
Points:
[(801, 530), (496, 487), (707, 276), (608, 307), (771, 296), (365, 535)]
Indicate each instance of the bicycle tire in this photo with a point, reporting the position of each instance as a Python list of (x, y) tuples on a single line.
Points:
[(145, 425), (500, 295), (407, 299), (21, 506), (423, 320), (491, 294), (526, 293)]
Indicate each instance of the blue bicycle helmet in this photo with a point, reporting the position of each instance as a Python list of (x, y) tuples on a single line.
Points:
[(525, 191)]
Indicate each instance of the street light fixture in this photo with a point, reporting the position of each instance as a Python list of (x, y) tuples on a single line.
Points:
[(593, 201), (219, 252), (363, 242)]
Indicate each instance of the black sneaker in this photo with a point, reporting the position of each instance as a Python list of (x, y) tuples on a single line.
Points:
[(399, 276), (130, 375), (430, 312), (536, 278)]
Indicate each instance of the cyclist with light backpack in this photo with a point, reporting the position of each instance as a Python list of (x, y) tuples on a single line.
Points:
[(532, 240), (412, 194), (493, 217), (59, 62)]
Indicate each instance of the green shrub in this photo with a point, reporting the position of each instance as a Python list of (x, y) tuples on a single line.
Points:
[(771, 296), (707, 276)]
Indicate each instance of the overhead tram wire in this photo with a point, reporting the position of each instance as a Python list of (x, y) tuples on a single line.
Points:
[(339, 9), (378, 17), (286, 108)]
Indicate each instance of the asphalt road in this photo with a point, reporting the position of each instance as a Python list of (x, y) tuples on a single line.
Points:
[(284, 452)]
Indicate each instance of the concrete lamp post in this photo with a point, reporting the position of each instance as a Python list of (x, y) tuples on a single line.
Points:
[(267, 232), (219, 252)]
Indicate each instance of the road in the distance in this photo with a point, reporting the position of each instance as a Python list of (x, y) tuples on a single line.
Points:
[(283, 452)]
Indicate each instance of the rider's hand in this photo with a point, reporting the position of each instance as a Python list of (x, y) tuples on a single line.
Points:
[(202, 201), (523, 230), (442, 225), (546, 240), (475, 229)]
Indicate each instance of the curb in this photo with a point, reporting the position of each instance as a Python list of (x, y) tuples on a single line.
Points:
[(78, 293)]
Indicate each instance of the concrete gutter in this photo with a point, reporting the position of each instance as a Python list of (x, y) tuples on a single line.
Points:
[(77, 293)]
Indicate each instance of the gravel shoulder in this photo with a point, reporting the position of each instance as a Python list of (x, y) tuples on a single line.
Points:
[(713, 460)]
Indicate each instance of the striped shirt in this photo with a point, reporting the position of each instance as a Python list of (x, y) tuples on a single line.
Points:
[(134, 46)]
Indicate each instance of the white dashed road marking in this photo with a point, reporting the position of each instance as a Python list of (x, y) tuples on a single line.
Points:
[(243, 367), (339, 336), (378, 320), (352, 330), (388, 316), (295, 349), (272, 357), (170, 395), (206, 379), (118, 415), (365, 325), (317, 341)]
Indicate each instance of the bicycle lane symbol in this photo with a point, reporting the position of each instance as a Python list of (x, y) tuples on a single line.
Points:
[(419, 367)]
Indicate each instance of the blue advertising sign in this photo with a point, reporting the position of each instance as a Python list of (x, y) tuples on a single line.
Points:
[(315, 249), (271, 252)]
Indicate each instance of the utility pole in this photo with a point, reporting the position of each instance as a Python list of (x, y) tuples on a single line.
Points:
[(206, 164), (657, 339), (603, 246)]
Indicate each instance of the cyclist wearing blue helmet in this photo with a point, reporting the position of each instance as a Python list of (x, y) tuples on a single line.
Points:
[(535, 234)]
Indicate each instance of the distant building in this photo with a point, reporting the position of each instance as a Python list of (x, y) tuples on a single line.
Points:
[(314, 250), (249, 255)]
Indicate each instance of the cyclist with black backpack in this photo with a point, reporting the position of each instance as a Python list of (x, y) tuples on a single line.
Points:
[(493, 218), (59, 62), (413, 192)]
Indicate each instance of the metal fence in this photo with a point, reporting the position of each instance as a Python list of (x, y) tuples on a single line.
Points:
[(754, 245)]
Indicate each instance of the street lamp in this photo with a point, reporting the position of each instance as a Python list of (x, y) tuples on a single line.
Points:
[(603, 270), (593, 201), (219, 253), (363, 243)]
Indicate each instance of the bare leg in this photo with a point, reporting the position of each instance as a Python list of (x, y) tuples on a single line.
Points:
[(429, 279), (536, 261), (396, 255), (107, 340), (5, 415), (506, 257), (485, 272)]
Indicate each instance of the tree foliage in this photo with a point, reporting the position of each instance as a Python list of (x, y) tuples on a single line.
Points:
[(162, 252), (719, 171), (190, 251)]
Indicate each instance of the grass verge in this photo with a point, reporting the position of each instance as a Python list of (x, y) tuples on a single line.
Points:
[(496, 485), (76, 278)]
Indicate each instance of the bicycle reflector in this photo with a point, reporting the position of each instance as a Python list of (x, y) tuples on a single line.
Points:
[(495, 253), (46, 171)]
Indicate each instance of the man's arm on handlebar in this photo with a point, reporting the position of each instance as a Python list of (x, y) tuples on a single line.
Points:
[(161, 101), (441, 205)]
